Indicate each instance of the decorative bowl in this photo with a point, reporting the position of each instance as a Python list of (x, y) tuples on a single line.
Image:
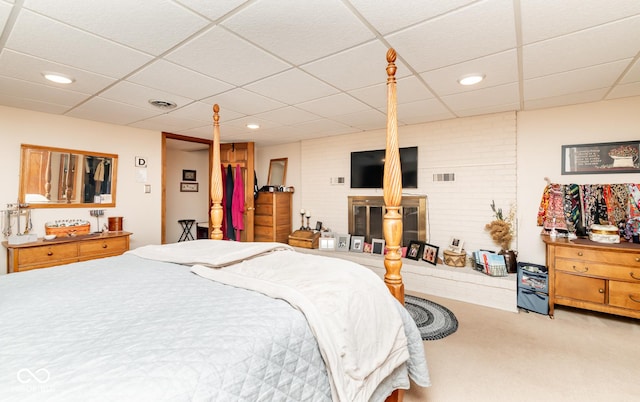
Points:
[(49, 237)]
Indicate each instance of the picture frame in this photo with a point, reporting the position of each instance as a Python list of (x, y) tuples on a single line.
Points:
[(366, 248), (430, 254), (318, 226), (377, 246), (603, 157), (456, 245), (357, 244), (327, 243), (188, 175), (414, 250), (327, 234), (188, 187), (343, 242)]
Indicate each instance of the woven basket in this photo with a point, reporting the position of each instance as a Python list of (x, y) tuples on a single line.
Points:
[(458, 260)]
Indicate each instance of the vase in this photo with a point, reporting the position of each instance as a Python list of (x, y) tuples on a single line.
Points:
[(510, 258)]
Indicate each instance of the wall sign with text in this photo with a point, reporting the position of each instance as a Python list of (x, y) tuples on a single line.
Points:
[(610, 157)]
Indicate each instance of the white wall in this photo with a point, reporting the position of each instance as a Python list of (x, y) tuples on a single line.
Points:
[(541, 134), (141, 212), (186, 205)]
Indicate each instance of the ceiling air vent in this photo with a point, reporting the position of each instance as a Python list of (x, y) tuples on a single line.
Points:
[(162, 104)]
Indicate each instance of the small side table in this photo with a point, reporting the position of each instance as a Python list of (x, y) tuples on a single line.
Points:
[(186, 224)]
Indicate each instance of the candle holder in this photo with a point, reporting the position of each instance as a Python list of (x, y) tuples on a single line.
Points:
[(308, 227), (302, 220)]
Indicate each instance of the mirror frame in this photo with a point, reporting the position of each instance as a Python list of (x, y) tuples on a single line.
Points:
[(272, 162), (23, 169)]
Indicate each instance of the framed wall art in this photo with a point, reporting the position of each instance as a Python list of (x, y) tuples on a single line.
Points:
[(188, 187), (606, 157), (188, 175)]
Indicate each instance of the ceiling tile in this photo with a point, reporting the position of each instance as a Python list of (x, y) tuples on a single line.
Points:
[(44, 38), (492, 96), (633, 75), (153, 26), (422, 111), (603, 44), (5, 11), (391, 15), (288, 115), (32, 104), (601, 76), (433, 44), (139, 96), (241, 124), (547, 19), (168, 123), (408, 90), (42, 93), (203, 112), (172, 78), (563, 100), (499, 69), (292, 86), (105, 110), (223, 56), (371, 119), (29, 68), (289, 27), (625, 90), (359, 67), (487, 109), (212, 9), (333, 105), (243, 101), (323, 127)]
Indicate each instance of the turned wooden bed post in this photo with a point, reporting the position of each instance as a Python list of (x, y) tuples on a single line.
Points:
[(216, 179), (392, 221), (392, 191)]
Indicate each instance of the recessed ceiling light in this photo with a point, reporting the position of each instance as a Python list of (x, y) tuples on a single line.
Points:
[(162, 104), (470, 79), (253, 126), (58, 78)]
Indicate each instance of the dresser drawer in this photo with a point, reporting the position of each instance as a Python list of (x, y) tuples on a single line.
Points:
[(579, 287), (624, 294), (601, 270), (264, 209), (614, 257), (50, 254), (263, 220), (92, 248)]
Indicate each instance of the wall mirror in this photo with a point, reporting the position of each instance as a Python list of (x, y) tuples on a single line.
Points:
[(66, 178), (277, 172)]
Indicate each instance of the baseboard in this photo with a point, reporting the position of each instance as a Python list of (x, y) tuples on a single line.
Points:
[(464, 284)]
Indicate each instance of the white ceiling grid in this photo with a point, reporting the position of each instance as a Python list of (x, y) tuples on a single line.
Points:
[(304, 69)]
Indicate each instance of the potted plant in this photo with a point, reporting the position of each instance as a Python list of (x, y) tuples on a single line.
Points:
[(501, 231)]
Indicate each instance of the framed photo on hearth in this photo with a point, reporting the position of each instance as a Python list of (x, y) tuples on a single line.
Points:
[(357, 244), (377, 246), (414, 251), (342, 242), (430, 253), (455, 245)]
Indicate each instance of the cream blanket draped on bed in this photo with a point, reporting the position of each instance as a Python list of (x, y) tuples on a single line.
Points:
[(349, 309)]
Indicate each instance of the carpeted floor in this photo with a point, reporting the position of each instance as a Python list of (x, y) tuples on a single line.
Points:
[(433, 320)]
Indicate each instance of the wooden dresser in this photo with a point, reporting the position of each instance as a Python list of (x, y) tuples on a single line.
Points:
[(273, 217), (59, 251), (594, 276)]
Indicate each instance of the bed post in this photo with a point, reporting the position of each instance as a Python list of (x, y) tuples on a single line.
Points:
[(216, 179), (392, 221)]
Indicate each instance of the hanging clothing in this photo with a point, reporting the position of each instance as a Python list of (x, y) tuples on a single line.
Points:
[(223, 203), (229, 200), (237, 208)]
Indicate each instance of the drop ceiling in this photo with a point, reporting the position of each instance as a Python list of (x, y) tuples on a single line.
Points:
[(303, 69)]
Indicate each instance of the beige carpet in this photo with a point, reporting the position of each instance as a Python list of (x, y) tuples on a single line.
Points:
[(517, 357)]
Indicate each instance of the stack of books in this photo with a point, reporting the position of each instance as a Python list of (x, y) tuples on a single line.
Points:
[(490, 263)]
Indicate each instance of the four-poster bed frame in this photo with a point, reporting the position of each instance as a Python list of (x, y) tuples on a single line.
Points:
[(392, 192)]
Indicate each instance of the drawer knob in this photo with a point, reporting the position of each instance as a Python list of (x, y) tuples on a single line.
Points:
[(633, 275), (104, 245), (633, 299), (586, 269), (580, 253), (50, 253), (637, 259), (600, 290)]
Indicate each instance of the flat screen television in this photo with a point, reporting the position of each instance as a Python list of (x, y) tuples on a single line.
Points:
[(367, 168)]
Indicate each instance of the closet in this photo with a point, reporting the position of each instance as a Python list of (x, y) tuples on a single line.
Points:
[(242, 154)]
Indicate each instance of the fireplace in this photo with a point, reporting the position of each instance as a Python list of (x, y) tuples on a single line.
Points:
[(366, 213)]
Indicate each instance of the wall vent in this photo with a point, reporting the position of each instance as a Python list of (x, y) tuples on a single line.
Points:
[(336, 180), (444, 177)]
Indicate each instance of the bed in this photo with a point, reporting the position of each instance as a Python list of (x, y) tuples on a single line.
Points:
[(213, 320)]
